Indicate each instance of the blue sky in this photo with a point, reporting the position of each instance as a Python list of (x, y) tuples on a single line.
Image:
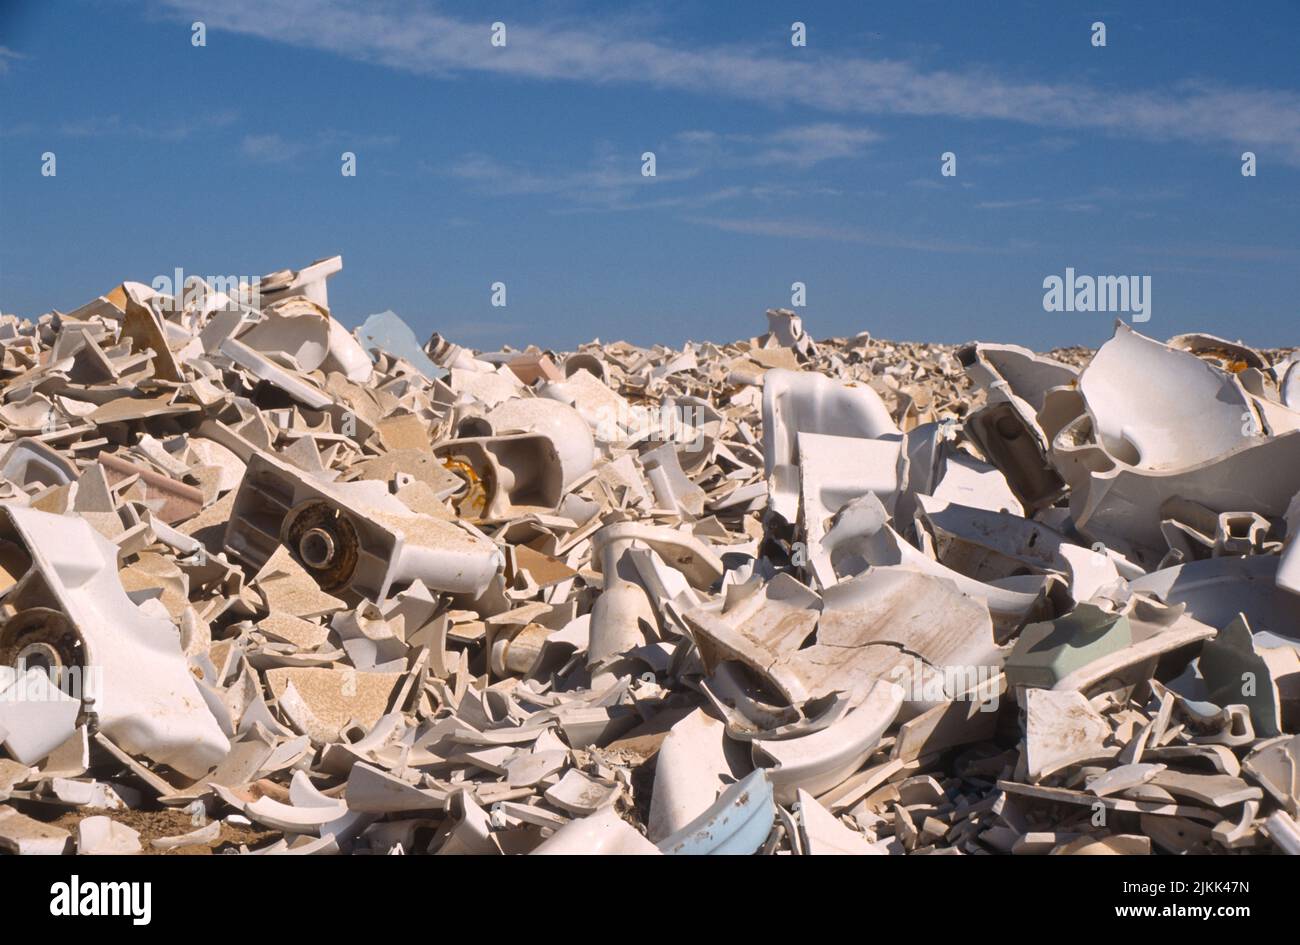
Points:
[(775, 164)]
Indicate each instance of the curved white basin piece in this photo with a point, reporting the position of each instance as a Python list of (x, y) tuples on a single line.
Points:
[(1157, 408), (795, 402), (820, 761)]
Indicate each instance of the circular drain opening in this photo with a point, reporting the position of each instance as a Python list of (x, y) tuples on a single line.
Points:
[(317, 548), (324, 541)]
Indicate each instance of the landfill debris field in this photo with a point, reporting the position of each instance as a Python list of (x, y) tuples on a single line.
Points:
[(271, 586)]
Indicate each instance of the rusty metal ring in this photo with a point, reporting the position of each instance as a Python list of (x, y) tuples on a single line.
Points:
[(323, 541), (42, 638)]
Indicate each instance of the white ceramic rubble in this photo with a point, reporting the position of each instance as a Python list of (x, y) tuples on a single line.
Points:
[(561, 423), (834, 470), (1288, 568), (1120, 505), (373, 790), (295, 328), (36, 716), (146, 699), (1217, 589), (786, 328), (673, 489), (861, 537), (29, 461), (1061, 729), (1290, 386), (103, 836), (794, 403), (1007, 429), (622, 612), (309, 282), (926, 615), (1157, 408), (818, 762), (353, 535), (603, 832), (200, 836), (824, 835), (690, 772), (267, 370), (505, 476), (988, 545)]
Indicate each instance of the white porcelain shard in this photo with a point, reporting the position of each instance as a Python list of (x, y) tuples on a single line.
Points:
[(295, 328), (1007, 429), (1290, 385), (602, 833), (1157, 408), (580, 794), (923, 614), (201, 836), (1121, 505), (786, 328), (622, 613), (1061, 729), (691, 770), (818, 762), (373, 790), (796, 402), (295, 817), (825, 835), (146, 699), (36, 716), (267, 370), (25, 836), (559, 422), (309, 282), (988, 546), (1217, 589), (353, 535), (968, 481), (861, 537), (673, 489), (1288, 568), (103, 836), (504, 477), (834, 470)]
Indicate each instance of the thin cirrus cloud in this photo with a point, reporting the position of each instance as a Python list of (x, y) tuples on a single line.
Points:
[(839, 233), (606, 183), (274, 148), (423, 40), (8, 56), (99, 126)]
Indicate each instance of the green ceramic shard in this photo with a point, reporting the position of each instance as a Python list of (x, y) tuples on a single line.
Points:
[(1236, 675), (1047, 652)]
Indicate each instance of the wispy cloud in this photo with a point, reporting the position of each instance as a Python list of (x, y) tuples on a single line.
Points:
[(275, 148), (612, 179), (8, 56), (423, 40), (839, 233), (270, 148), (798, 146), (1008, 204), (1089, 202), (99, 126)]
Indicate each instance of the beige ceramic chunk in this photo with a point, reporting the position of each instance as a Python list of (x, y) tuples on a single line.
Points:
[(320, 703), (1061, 729)]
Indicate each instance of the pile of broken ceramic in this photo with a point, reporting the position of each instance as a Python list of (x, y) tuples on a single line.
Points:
[(300, 590)]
